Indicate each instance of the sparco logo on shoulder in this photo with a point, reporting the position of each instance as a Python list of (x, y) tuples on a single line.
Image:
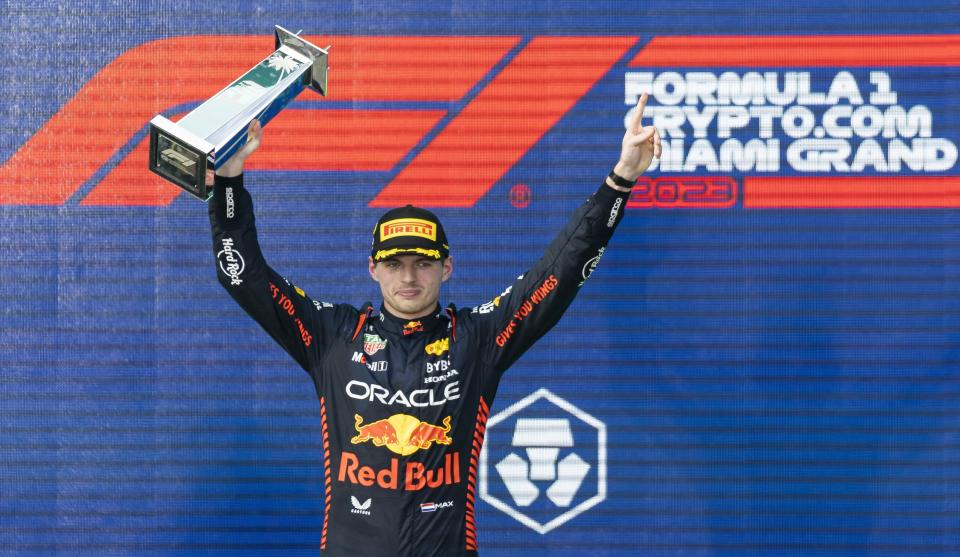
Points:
[(231, 207), (614, 212), (231, 262)]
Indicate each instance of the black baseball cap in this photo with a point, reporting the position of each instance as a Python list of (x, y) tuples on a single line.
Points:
[(409, 230)]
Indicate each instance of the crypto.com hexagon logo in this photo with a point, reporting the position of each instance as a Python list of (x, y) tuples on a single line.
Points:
[(548, 461)]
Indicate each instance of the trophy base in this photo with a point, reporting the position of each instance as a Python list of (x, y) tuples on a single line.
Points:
[(180, 157)]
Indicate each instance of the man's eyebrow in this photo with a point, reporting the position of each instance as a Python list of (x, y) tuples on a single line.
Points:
[(396, 259)]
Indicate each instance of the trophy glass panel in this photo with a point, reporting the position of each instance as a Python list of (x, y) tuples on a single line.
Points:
[(180, 164)]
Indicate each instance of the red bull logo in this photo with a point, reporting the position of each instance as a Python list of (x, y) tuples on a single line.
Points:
[(412, 327), (416, 476), (401, 433)]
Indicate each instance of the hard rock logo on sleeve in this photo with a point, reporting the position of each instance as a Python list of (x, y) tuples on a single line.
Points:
[(231, 262)]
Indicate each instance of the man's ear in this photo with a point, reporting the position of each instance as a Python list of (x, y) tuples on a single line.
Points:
[(447, 269), (370, 267)]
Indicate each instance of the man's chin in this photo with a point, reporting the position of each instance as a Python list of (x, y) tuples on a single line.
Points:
[(412, 307)]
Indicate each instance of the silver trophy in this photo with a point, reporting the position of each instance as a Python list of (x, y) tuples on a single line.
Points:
[(186, 151)]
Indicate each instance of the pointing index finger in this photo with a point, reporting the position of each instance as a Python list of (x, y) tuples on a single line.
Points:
[(638, 114)]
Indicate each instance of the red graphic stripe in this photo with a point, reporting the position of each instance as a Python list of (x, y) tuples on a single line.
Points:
[(149, 79), (360, 321), (874, 192), (481, 427), (504, 121), (410, 68), (326, 472), (802, 51), (353, 140)]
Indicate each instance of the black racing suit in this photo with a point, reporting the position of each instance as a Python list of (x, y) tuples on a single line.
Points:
[(403, 405)]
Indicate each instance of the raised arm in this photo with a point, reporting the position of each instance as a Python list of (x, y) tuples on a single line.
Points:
[(510, 323), (302, 326)]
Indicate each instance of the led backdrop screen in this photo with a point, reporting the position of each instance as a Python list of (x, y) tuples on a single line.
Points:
[(764, 362)]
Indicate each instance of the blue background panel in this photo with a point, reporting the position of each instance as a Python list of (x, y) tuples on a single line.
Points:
[(771, 382)]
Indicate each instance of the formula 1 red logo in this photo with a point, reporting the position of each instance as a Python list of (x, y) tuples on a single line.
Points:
[(382, 106), (468, 111)]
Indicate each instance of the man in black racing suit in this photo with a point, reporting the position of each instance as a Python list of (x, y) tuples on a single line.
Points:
[(405, 392)]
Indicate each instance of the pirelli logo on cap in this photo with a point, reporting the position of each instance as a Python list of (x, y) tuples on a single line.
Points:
[(408, 227)]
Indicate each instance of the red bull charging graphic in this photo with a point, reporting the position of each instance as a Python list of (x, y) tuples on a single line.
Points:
[(401, 433)]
